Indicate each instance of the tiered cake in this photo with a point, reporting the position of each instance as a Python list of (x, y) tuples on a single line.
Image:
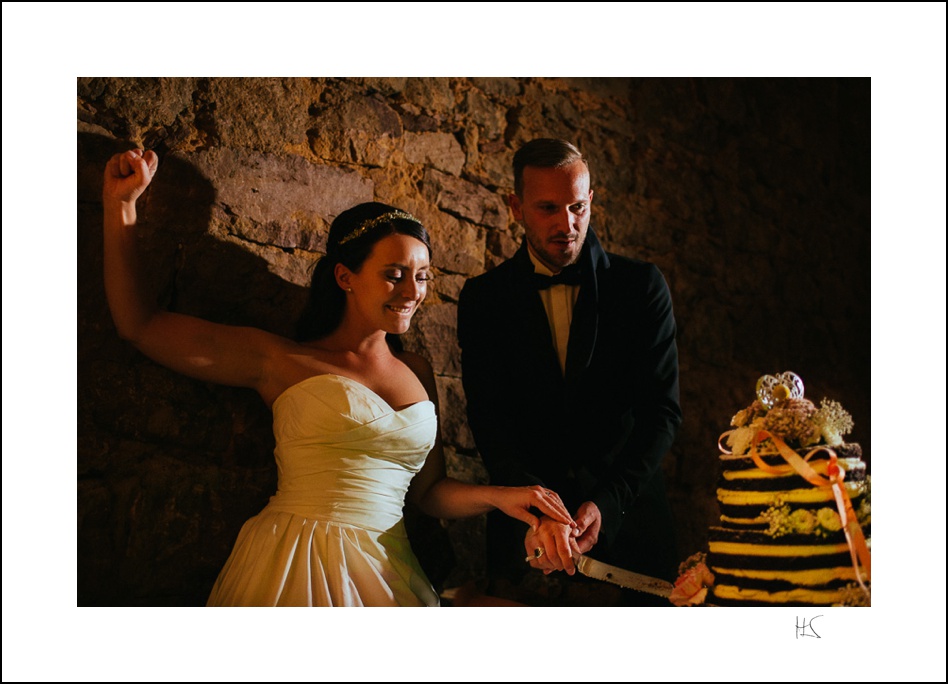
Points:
[(795, 509)]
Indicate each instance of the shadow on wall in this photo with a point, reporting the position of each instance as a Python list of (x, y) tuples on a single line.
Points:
[(169, 468)]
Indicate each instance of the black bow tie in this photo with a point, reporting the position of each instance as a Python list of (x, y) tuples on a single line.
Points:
[(571, 275)]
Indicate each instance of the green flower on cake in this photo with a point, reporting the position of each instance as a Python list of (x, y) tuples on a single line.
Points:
[(778, 519), (782, 519), (829, 520), (833, 422), (802, 521)]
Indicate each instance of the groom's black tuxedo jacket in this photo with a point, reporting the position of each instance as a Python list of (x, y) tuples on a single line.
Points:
[(599, 433)]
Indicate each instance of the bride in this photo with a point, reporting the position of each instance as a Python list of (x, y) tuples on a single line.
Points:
[(355, 417)]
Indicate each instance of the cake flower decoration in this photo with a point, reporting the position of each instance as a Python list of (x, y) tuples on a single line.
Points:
[(694, 580)]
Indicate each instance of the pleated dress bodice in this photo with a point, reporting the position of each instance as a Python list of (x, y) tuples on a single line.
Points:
[(333, 533)]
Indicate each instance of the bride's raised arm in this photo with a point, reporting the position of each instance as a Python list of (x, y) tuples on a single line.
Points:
[(209, 351)]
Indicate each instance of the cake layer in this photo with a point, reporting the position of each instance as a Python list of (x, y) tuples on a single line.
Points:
[(750, 513), (755, 538), (805, 495), (738, 523), (774, 548), (754, 568), (757, 522), (729, 595), (788, 478), (772, 458), (725, 560), (771, 579)]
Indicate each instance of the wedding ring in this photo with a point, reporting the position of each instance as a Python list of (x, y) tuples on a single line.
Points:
[(537, 552)]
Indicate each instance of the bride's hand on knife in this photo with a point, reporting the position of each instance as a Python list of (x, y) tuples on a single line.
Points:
[(517, 502)]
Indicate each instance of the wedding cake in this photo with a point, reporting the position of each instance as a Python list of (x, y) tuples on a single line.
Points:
[(794, 500)]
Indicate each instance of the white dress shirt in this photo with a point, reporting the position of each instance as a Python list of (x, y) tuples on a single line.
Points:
[(558, 300)]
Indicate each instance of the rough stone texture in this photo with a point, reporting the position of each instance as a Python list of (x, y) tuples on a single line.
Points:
[(434, 334), (448, 287), (270, 115), (440, 150), (279, 199), (751, 195), (354, 127), (433, 95), (458, 245), (465, 200), (454, 427), (131, 108), (489, 117)]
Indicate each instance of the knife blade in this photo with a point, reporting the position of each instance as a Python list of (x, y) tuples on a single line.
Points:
[(622, 577)]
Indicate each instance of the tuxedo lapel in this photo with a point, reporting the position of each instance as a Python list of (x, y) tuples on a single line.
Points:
[(584, 329)]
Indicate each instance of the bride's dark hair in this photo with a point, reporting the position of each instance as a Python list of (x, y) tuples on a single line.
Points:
[(352, 236)]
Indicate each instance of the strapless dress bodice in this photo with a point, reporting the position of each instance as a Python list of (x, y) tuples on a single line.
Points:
[(333, 533)]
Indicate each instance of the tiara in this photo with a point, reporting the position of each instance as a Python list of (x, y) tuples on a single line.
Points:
[(372, 223)]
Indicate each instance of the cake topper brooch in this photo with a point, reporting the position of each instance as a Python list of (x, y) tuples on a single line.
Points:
[(773, 388), (780, 409)]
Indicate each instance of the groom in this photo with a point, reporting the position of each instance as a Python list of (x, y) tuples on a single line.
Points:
[(570, 369)]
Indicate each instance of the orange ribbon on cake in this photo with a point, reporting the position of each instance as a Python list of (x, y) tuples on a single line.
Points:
[(855, 539)]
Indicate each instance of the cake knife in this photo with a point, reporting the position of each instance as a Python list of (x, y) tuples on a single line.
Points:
[(622, 577)]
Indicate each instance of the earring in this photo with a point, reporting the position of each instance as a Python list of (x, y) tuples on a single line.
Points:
[(348, 289)]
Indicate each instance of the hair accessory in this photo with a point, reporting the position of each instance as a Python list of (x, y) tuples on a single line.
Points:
[(371, 223)]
